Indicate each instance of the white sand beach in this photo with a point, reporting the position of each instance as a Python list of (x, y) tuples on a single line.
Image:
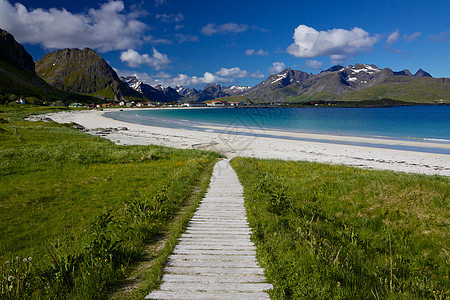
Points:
[(275, 144)]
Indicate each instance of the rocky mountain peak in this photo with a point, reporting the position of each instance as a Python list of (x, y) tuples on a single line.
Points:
[(404, 72), (422, 73), (14, 53), (333, 69)]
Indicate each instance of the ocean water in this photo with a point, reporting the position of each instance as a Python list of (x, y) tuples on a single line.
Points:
[(424, 122)]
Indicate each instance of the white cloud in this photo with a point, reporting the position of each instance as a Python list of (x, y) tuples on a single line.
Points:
[(170, 18), (232, 72), (166, 79), (339, 44), (393, 37), (212, 28), (412, 37), (105, 29), (157, 61), (186, 38), (236, 72), (223, 76), (314, 64), (250, 52), (277, 67)]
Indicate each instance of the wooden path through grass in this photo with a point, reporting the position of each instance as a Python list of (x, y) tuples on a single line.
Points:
[(215, 258)]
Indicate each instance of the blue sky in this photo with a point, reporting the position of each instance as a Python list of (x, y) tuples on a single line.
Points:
[(193, 43)]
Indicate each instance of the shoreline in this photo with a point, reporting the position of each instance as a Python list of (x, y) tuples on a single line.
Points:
[(238, 141), (428, 145)]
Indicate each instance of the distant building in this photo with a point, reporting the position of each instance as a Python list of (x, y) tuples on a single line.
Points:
[(237, 103), (217, 103), (193, 104)]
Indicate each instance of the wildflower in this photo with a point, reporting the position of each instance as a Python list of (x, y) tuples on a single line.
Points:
[(25, 260), (10, 278), (17, 258), (29, 258), (7, 263)]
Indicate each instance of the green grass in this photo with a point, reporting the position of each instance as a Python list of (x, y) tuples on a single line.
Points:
[(83, 208), (336, 232), (403, 88)]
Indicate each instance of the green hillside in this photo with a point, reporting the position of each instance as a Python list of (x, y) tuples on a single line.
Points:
[(403, 88), (84, 72)]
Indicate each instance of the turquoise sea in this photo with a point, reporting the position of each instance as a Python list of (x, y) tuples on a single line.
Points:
[(424, 122)]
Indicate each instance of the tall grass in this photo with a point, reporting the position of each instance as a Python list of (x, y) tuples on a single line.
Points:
[(76, 211), (336, 232)]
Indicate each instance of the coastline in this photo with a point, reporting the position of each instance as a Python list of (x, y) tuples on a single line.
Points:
[(364, 152)]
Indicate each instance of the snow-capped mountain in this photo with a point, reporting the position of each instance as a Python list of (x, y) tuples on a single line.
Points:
[(236, 89), (186, 92), (157, 94)]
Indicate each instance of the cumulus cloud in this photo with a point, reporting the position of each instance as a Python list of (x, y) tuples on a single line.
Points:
[(166, 79), (238, 73), (314, 64), (212, 28), (440, 37), (277, 67), (185, 80), (157, 60), (107, 28), (261, 52), (338, 44), (181, 38), (170, 18)]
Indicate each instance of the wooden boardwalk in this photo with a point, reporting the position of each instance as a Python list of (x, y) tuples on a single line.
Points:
[(215, 258)]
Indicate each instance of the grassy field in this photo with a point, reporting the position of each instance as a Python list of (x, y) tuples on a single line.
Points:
[(335, 232), (77, 210)]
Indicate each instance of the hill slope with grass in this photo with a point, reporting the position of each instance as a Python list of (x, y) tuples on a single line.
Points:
[(84, 72)]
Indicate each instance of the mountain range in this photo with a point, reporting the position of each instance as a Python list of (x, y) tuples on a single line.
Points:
[(352, 83), (182, 94), (84, 75)]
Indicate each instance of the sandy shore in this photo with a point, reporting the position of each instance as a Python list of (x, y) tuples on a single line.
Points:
[(232, 141)]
